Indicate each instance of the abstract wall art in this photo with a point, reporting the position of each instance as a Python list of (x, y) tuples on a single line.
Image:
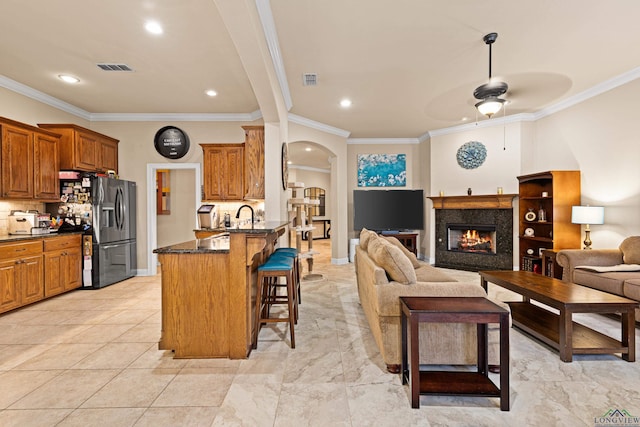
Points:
[(382, 170)]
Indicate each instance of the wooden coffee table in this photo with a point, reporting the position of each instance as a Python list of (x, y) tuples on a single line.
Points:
[(558, 330)]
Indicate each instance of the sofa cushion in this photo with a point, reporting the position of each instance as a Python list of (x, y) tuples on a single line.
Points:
[(412, 257), (389, 295), (365, 237), (631, 289), (607, 282), (428, 273), (630, 248), (392, 260)]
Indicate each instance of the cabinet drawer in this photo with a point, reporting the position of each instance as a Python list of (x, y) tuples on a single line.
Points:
[(17, 250), (62, 242)]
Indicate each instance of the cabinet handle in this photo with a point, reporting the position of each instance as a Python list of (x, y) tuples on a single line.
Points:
[(21, 249)]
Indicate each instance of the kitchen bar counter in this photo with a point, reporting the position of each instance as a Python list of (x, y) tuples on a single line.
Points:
[(209, 289)]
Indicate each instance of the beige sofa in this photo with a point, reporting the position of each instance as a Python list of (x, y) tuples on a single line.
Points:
[(385, 271), (616, 271)]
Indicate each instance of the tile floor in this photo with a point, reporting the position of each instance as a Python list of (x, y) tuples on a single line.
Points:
[(90, 358)]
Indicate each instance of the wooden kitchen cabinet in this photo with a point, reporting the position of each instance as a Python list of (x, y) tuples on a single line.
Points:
[(82, 149), (62, 264), (254, 162), (29, 162), (20, 274), (223, 171)]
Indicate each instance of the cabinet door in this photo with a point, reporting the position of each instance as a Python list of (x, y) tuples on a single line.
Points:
[(17, 162), (254, 162), (214, 166), (73, 269), (45, 167), (107, 155), (234, 181), (54, 266), (9, 293), (85, 151), (31, 279)]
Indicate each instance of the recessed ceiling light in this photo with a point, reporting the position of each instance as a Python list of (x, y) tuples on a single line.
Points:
[(68, 79), (345, 103), (464, 119), (307, 149), (289, 162), (153, 27), (211, 93)]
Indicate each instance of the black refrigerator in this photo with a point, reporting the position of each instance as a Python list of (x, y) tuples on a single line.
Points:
[(105, 210)]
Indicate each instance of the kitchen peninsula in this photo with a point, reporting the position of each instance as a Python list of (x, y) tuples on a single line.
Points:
[(209, 288)]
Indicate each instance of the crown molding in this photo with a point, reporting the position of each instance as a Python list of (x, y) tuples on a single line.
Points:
[(177, 117), (29, 92), (317, 125), (381, 141), (271, 36)]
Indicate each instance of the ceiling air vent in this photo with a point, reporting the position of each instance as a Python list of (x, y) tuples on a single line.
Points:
[(114, 67), (309, 79)]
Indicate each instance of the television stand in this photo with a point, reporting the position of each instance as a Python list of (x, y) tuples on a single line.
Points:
[(407, 238)]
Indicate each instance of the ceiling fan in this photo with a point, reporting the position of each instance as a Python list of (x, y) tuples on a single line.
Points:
[(489, 93)]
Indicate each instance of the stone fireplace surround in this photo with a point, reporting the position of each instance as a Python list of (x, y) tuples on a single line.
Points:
[(475, 210)]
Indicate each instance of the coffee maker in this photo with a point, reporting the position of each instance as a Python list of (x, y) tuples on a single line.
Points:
[(208, 216)]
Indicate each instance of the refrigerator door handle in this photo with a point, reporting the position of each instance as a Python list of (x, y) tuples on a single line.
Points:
[(123, 209), (118, 209)]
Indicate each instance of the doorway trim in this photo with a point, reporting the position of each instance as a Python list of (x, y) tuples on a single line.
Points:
[(152, 227)]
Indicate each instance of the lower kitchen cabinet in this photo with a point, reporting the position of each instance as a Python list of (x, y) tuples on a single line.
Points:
[(62, 265), (38, 268)]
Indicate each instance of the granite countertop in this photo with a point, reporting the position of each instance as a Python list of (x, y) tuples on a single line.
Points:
[(219, 243), (215, 244), (258, 228), (7, 238)]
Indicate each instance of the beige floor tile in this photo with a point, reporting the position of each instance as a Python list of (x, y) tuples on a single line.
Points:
[(100, 333), (134, 388), (178, 416), (33, 417), (320, 404), (249, 404), (195, 387), (14, 385), (16, 354), (113, 417), (143, 332), (154, 358), (68, 390), (113, 356), (60, 356)]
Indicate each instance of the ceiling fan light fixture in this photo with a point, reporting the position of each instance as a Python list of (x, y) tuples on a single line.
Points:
[(489, 93), (489, 106)]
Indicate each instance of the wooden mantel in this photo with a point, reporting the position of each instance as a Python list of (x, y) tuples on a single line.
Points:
[(487, 201)]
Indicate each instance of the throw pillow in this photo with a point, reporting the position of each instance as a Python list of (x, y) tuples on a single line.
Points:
[(392, 260), (365, 237), (630, 248), (412, 257)]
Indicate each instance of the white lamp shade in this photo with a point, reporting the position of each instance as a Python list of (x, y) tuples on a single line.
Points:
[(489, 106), (587, 215)]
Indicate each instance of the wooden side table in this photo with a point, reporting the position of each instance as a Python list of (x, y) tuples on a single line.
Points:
[(408, 240), (476, 310)]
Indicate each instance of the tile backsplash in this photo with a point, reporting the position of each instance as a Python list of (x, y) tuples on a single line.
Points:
[(7, 206)]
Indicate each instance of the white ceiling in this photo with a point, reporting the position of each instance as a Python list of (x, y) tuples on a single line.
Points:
[(409, 66)]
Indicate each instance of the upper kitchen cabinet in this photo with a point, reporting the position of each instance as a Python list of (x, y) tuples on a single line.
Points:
[(30, 163), (85, 150), (223, 171), (254, 162)]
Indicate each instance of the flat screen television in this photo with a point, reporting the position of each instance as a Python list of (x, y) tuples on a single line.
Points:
[(388, 210)]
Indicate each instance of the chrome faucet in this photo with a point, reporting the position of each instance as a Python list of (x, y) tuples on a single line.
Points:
[(250, 208)]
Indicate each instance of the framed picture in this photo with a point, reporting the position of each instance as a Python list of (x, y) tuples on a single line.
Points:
[(382, 170)]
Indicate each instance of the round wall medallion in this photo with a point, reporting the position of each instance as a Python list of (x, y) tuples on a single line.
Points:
[(471, 154), (528, 232), (285, 165), (530, 216), (171, 142)]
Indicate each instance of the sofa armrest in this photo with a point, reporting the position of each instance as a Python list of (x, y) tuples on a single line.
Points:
[(569, 259)]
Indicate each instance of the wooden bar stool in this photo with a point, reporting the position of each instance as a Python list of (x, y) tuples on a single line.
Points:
[(293, 253), (268, 274)]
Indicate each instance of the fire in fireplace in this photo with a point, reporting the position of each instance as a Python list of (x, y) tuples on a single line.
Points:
[(472, 238)]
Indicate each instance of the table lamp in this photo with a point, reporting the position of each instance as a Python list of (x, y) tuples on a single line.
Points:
[(587, 215)]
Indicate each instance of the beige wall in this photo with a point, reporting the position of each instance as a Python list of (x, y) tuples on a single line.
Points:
[(600, 138)]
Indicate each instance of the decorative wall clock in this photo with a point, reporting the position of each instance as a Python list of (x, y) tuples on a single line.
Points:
[(171, 142), (285, 165), (471, 154)]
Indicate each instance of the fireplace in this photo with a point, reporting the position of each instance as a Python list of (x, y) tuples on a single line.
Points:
[(471, 238), (474, 232)]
